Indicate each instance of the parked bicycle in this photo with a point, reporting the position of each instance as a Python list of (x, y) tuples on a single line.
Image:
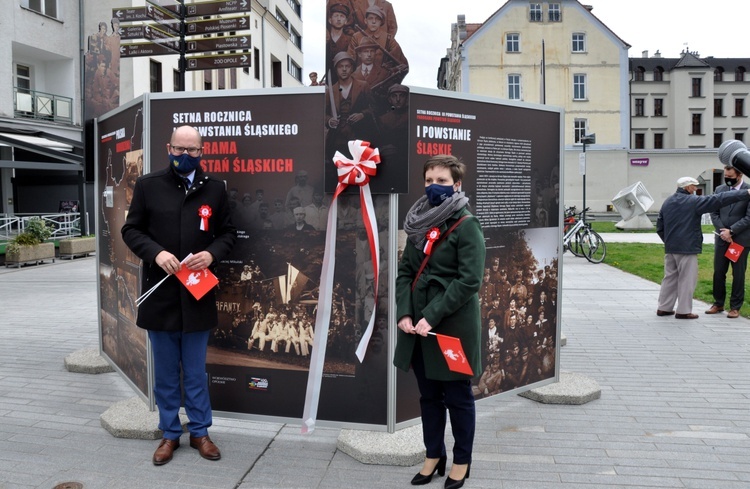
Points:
[(580, 239)]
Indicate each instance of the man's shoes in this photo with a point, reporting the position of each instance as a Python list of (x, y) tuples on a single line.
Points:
[(733, 313), (686, 316), (715, 309), (205, 447), (659, 312), (163, 453)]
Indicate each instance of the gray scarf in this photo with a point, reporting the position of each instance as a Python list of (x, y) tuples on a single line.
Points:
[(423, 216)]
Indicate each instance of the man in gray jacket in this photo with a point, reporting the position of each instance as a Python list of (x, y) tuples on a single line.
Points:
[(679, 227), (732, 224)]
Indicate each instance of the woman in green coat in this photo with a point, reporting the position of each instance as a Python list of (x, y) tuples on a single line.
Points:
[(443, 298)]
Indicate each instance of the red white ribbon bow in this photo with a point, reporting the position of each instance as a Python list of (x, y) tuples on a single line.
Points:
[(355, 171), (204, 212), (432, 236), (359, 169)]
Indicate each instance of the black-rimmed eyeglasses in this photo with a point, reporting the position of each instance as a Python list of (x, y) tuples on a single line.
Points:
[(182, 149)]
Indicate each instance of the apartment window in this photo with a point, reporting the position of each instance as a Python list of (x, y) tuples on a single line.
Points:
[(23, 78), (222, 80), (739, 136), (293, 68), (696, 124), (719, 74), (554, 12), (579, 129), (639, 74), (284, 21), (512, 43), (275, 73), (579, 42), (658, 107), (296, 38), (233, 79), (718, 137), (207, 80), (640, 140), (535, 12), (696, 87), (514, 87), (739, 107), (296, 7), (579, 87), (46, 7), (154, 69), (175, 81), (256, 60), (658, 140), (739, 74), (718, 107), (639, 107), (658, 73)]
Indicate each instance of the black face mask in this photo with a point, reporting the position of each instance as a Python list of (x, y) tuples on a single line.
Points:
[(731, 182)]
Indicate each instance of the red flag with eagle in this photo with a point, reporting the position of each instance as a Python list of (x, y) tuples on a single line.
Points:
[(734, 251), (454, 354), (198, 282)]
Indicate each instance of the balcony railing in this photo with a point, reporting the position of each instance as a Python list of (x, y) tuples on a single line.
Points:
[(32, 104)]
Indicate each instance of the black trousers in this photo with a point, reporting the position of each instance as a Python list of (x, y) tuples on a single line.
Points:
[(435, 398), (721, 267)]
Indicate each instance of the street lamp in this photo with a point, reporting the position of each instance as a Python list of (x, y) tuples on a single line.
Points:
[(587, 139)]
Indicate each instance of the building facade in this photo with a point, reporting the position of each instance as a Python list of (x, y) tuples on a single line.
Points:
[(555, 53), (688, 102), (40, 106), (53, 45), (655, 118)]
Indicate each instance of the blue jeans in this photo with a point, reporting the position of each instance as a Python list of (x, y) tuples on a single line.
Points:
[(435, 397), (175, 351)]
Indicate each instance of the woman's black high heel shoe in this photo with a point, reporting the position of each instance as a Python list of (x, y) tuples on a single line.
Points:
[(420, 480), (455, 484)]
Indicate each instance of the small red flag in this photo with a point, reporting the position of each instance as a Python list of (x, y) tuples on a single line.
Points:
[(454, 354), (197, 282), (734, 251)]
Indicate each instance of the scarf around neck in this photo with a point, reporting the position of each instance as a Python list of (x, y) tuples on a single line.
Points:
[(423, 216)]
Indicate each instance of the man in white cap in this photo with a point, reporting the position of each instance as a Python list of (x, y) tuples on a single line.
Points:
[(679, 227)]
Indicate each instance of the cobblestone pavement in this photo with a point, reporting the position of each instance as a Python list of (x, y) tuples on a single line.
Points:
[(674, 410)]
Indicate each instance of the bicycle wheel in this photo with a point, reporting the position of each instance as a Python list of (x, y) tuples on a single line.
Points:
[(594, 247), (575, 243)]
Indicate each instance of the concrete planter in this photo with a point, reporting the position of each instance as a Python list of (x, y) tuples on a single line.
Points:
[(30, 254), (71, 248)]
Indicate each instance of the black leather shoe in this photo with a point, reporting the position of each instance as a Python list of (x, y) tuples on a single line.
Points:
[(420, 480), (455, 484), (686, 316), (664, 313)]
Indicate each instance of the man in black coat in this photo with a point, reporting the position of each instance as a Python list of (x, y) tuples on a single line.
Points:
[(732, 223), (175, 212)]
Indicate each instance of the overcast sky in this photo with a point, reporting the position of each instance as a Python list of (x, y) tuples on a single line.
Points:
[(424, 29)]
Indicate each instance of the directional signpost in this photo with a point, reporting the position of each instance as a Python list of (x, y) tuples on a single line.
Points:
[(143, 49), (240, 60), (227, 24), (216, 8), (173, 20), (232, 43), (159, 36), (163, 17), (130, 14)]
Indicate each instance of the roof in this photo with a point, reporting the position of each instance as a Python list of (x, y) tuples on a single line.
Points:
[(690, 60), (525, 4)]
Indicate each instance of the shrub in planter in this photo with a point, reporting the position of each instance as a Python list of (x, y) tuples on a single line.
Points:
[(30, 244)]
